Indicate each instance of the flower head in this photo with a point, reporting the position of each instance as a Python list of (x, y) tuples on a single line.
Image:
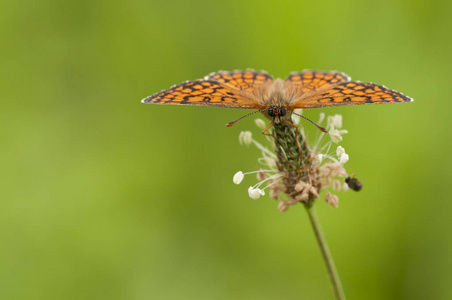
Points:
[(294, 171)]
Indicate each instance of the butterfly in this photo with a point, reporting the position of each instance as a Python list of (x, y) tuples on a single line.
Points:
[(276, 98)]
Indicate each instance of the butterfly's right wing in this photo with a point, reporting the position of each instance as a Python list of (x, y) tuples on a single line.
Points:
[(205, 93)]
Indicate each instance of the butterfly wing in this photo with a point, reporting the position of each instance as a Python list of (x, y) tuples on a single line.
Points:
[(204, 93), (348, 93), (248, 80), (308, 81)]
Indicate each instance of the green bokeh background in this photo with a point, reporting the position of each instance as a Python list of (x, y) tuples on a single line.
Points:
[(105, 197)]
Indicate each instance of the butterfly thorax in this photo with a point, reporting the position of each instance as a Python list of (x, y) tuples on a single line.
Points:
[(275, 99)]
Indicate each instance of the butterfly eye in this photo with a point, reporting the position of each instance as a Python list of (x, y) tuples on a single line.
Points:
[(282, 111), (271, 111)]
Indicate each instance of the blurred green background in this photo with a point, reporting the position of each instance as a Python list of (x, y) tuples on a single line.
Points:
[(105, 197)]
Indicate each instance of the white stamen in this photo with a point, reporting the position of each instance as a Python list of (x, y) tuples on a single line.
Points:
[(263, 149), (335, 136), (238, 177), (345, 186), (271, 163), (274, 182), (255, 193), (337, 121), (260, 123), (344, 158), (245, 138), (267, 179), (339, 151), (321, 118), (295, 118), (330, 122)]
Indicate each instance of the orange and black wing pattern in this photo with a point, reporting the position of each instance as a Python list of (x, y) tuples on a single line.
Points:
[(348, 93), (248, 80), (204, 93), (308, 81)]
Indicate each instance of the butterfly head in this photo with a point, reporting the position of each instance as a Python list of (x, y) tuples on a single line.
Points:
[(276, 113)]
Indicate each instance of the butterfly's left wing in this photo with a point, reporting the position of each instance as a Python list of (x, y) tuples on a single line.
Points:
[(348, 93), (204, 93), (308, 81)]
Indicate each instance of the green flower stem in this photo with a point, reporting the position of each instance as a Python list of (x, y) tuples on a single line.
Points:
[(326, 254), (295, 160)]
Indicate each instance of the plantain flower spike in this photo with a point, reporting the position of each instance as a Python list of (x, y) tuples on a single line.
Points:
[(293, 170)]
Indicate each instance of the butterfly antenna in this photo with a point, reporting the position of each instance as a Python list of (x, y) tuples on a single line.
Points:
[(318, 126), (233, 122)]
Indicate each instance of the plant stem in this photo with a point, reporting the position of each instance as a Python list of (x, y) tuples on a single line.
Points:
[(326, 254)]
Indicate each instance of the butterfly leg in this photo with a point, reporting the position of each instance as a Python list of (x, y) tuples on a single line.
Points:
[(293, 125), (268, 127), (290, 124), (296, 131)]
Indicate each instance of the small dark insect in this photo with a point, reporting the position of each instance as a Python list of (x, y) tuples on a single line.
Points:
[(353, 183)]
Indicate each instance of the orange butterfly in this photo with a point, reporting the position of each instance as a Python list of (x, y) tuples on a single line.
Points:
[(275, 98)]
